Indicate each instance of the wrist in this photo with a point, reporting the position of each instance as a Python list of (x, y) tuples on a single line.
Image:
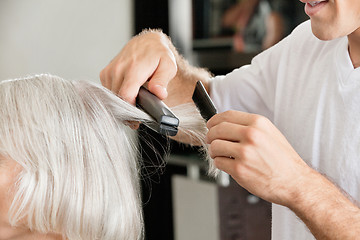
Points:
[(312, 193), (325, 209), (303, 187)]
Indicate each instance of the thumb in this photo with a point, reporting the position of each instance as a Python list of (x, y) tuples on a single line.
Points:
[(158, 89)]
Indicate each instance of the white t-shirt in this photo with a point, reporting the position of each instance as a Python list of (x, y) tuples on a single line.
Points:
[(310, 90)]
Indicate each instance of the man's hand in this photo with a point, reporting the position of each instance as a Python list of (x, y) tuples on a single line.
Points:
[(254, 152), (147, 56), (151, 58)]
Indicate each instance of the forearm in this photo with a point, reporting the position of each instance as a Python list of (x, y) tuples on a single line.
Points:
[(327, 212)]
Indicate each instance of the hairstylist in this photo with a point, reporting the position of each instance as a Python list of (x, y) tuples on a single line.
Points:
[(293, 131)]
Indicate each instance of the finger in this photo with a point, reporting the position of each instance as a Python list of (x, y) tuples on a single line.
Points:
[(105, 80), (225, 164), (116, 81), (223, 148), (133, 124), (232, 116), (225, 131), (129, 91), (166, 70), (133, 79)]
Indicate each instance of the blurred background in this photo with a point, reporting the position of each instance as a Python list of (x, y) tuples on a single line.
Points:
[(76, 39), (72, 39)]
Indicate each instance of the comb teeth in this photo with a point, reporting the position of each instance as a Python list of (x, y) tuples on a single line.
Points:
[(203, 101)]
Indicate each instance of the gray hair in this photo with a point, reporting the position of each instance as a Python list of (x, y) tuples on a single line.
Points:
[(80, 175)]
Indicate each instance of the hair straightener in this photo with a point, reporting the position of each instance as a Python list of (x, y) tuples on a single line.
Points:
[(166, 123)]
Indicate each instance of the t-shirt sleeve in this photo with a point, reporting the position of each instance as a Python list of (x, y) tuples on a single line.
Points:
[(250, 88)]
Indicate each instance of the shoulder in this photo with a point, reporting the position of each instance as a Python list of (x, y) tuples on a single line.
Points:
[(303, 28), (299, 45), (303, 34), (303, 41)]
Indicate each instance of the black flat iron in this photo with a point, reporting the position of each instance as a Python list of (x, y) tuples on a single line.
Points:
[(165, 121)]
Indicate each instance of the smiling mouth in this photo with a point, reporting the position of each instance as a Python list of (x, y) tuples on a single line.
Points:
[(314, 3), (312, 8)]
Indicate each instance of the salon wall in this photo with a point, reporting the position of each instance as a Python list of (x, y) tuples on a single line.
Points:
[(72, 39)]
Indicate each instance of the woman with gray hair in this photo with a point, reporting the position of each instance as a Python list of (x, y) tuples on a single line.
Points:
[(69, 165)]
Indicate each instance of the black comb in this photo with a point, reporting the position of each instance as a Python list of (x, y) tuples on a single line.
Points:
[(203, 101)]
